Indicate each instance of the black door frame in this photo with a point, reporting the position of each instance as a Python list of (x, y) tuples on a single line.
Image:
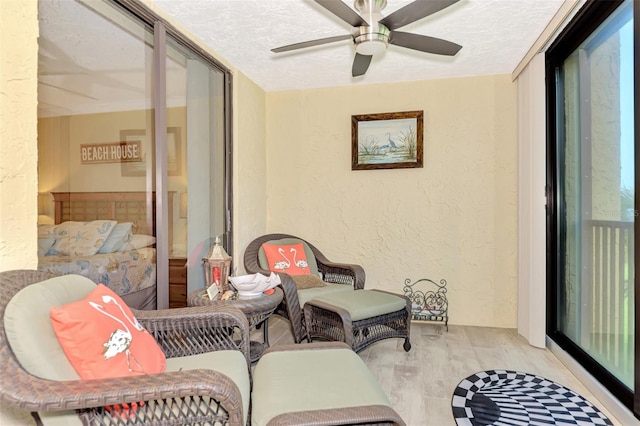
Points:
[(592, 15)]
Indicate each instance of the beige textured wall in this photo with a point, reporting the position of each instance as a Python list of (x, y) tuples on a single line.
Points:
[(249, 164), (18, 147), (18, 135), (454, 219)]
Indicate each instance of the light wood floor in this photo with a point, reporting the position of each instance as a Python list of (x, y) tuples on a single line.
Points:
[(420, 383)]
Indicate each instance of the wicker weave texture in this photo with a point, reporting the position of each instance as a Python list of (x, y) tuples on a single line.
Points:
[(332, 272), (257, 311), (184, 397), (328, 322), (363, 415)]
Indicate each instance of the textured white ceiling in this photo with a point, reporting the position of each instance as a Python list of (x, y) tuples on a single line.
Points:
[(87, 62), (495, 35)]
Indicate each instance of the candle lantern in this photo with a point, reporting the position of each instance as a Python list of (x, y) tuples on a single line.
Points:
[(216, 267)]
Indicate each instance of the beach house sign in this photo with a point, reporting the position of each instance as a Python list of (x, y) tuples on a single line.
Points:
[(117, 152)]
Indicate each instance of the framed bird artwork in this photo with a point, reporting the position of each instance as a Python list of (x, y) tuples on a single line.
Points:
[(391, 140)]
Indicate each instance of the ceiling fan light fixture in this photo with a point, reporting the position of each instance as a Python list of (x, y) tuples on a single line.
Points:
[(371, 47), (372, 40)]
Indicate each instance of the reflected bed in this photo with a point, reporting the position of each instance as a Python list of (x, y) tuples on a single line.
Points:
[(107, 237)]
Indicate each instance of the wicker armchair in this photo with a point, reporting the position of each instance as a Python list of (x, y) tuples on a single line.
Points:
[(181, 397), (290, 308)]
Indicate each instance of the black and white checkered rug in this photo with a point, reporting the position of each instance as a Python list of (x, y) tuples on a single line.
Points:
[(502, 397)]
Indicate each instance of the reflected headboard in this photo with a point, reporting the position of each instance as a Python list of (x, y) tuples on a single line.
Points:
[(136, 207)]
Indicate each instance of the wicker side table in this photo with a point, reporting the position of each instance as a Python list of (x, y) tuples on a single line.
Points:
[(257, 310)]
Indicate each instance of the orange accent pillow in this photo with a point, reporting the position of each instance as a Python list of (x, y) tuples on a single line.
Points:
[(289, 259), (102, 339)]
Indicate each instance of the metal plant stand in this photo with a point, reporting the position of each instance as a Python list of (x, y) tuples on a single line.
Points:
[(428, 300)]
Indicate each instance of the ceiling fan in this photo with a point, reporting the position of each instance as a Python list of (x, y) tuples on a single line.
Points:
[(373, 32)]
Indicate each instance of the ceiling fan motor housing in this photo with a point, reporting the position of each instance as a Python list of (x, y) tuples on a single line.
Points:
[(369, 5), (371, 40), (374, 38)]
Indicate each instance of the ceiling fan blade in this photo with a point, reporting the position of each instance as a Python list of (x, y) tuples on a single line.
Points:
[(360, 64), (311, 43), (414, 11), (73, 92), (423, 43), (342, 11), (63, 73)]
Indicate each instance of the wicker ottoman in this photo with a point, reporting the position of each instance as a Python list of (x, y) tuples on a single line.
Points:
[(359, 318), (317, 384)]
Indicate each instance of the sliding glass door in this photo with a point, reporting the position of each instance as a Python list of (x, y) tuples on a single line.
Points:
[(134, 127), (196, 98), (96, 148), (592, 176)]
